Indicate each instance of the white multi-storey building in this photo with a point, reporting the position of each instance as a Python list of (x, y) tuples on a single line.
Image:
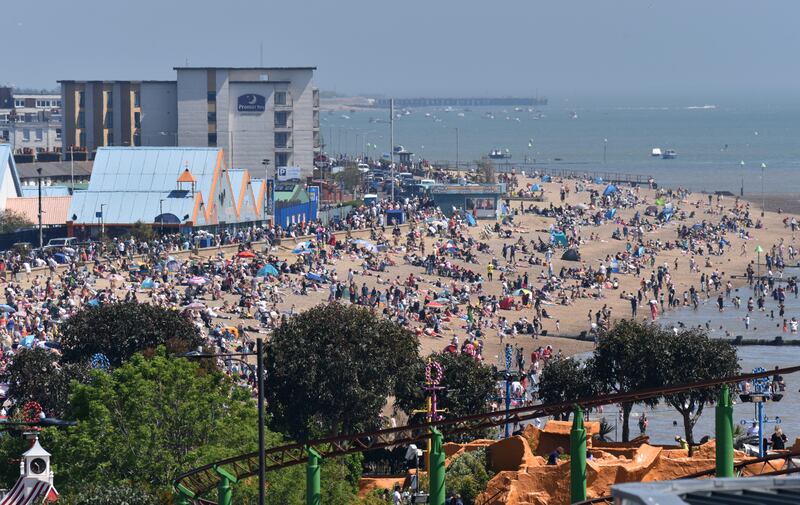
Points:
[(254, 114), (260, 116)]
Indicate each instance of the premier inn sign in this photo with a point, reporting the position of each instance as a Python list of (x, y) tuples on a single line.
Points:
[(251, 103)]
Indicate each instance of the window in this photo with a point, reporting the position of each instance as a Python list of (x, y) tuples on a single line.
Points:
[(58, 103), (137, 119), (212, 117), (282, 119), (315, 94), (212, 140), (110, 99), (58, 133), (281, 159), (5, 134), (81, 98), (212, 96), (110, 139), (281, 139), (82, 139), (81, 120), (316, 119), (19, 103), (136, 99), (280, 98), (39, 134), (137, 139), (26, 134), (109, 122)]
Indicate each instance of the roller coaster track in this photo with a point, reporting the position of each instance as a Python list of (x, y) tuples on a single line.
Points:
[(199, 481)]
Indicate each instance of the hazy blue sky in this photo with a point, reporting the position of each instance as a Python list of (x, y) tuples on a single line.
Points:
[(703, 49)]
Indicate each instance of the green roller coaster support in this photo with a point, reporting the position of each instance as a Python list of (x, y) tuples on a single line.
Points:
[(724, 433), (577, 458), (313, 487), (185, 495), (436, 473), (224, 490)]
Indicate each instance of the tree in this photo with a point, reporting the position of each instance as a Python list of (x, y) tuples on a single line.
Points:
[(142, 231), (692, 357), (565, 380), (486, 172), (350, 178), (627, 358), (120, 330), (11, 221), (468, 386), (150, 419), (331, 368), (468, 475), (35, 374)]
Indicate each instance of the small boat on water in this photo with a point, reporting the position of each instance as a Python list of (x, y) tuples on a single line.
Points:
[(499, 154), (656, 152), (669, 154)]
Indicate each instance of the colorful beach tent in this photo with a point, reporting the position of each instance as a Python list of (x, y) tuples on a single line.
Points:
[(571, 255), (546, 178), (266, 270), (558, 238), (506, 303), (610, 190), (598, 180), (471, 220), (536, 187), (610, 213), (652, 210)]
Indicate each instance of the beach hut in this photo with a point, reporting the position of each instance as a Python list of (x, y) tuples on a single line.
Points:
[(610, 213), (558, 238), (571, 255), (610, 190)]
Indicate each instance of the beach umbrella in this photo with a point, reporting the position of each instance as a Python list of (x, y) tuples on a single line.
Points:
[(314, 277), (759, 249), (195, 305), (266, 270), (7, 308), (148, 283), (521, 292), (246, 254), (197, 281), (442, 299)]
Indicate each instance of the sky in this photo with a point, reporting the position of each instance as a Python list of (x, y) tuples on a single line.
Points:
[(563, 49)]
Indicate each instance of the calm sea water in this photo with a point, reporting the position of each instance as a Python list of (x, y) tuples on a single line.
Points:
[(711, 139)]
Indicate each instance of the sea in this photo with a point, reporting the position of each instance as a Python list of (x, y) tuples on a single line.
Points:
[(719, 146)]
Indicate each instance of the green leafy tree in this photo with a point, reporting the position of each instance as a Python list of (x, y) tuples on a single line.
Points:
[(468, 386), (468, 475), (629, 357), (35, 374), (11, 221), (331, 369), (693, 356), (565, 380), (142, 231), (350, 178), (149, 420), (486, 172), (120, 330)]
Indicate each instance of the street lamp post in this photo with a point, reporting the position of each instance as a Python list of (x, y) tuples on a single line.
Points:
[(457, 153), (39, 177), (741, 189), (161, 215), (605, 148), (102, 219), (262, 481), (763, 168)]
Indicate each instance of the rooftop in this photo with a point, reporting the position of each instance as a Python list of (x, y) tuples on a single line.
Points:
[(244, 68)]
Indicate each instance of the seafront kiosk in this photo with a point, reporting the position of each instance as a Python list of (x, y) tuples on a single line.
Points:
[(480, 200)]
